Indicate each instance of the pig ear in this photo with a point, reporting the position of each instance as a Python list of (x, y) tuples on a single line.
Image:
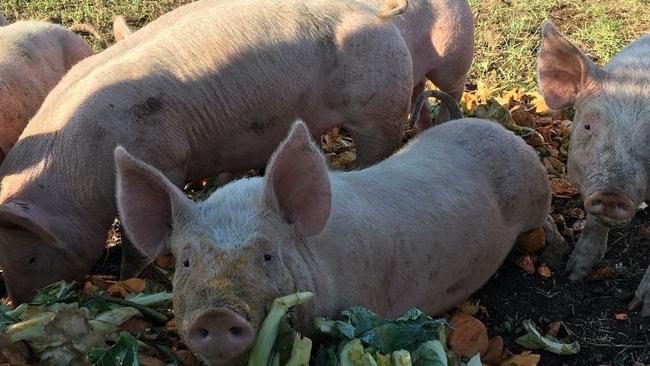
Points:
[(149, 204), (297, 182), (120, 29), (29, 217), (563, 70)]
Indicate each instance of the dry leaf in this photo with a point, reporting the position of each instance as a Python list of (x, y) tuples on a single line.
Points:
[(150, 361), (134, 325), (117, 290), (562, 188), (186, 357), (544, 271), (602, 274), (579, 225), (470, 308), (553, 329), (526, 263), (531, 241), (171, 325), (133, 285), (523, 359), (540, 104), (644, 231)]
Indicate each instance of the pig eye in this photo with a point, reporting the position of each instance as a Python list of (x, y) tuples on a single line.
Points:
[(186, 263), (587, 126), (31, 260), (267, 257)]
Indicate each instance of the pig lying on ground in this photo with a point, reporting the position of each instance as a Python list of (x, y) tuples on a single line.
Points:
[(426, 227), (207, 88), (34, 56), (440, 38), (608, 160)]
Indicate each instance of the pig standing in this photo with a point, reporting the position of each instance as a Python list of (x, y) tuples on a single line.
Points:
[(440, 38), (426, 227), (207, 88), (34, 56), (608, 158)]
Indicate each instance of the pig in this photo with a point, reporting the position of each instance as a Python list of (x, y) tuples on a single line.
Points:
[(34, 56), (3, 20), (440, 38), (608, 160), (210, 87), (424, 228)]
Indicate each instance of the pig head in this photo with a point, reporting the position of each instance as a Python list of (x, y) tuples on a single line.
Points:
[(608, 158)]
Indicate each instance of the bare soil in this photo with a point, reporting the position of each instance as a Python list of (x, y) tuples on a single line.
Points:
[(586, 310)]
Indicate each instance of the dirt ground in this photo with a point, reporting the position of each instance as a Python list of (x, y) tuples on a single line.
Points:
[(586, 310)]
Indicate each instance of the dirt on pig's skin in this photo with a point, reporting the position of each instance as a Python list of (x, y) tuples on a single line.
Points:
[(587, 310)]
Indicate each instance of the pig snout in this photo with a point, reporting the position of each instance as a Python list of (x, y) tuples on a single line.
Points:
[(611, 206), (220, 335)]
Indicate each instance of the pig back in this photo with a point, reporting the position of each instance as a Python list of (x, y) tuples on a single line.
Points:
[(429, 226)]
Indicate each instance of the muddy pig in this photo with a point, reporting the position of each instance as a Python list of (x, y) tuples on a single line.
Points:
[(440, 38), (425, 227), (210, 87), (34, 56), (608, 157)]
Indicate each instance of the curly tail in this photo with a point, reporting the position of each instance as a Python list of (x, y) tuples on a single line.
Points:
[(87, 28), (392, 7), (454, 110)]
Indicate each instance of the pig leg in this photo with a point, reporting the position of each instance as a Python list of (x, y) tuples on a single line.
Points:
[(590, 250), (642, 295), (424, 120), (555, 246), (133, 262)]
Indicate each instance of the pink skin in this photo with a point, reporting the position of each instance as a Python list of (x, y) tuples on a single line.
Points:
[(34, 56), (440, 37), (608, 160), (207, 88), (378, 237)]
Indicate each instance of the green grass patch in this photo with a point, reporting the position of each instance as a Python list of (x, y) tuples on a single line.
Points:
[(507, 31)]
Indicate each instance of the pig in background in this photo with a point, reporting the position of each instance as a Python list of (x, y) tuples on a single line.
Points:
[(609, 160), (209, 87), (440, 38), (34, 56), (425, 227)]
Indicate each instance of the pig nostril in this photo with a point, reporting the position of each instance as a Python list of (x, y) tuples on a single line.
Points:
[(203, 333), (236, 331)]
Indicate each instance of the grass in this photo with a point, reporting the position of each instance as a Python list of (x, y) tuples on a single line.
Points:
[(507, 31)]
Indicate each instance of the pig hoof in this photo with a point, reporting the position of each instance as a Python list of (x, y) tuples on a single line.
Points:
[(642, 298)]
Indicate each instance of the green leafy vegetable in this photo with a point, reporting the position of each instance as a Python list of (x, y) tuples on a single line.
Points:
[(534, 340), (267, 335), (58, 292), (122, 353)]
